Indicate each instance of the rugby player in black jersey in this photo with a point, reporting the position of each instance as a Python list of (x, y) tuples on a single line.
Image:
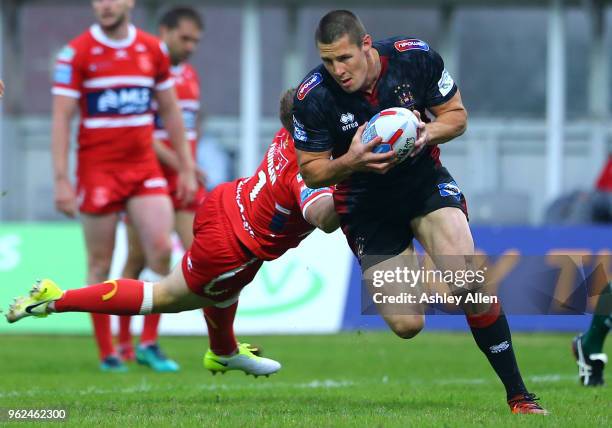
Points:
[(383, 204)]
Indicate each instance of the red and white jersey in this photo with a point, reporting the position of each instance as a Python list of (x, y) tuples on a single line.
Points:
[(267, 210), (114, 81), (187, 87)]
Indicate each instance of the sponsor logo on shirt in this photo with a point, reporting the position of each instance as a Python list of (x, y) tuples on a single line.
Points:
[(348, 121), (298, 130), (308, 85), (63, 74), (66, 54), (306, 192), (410, 44), (449, 189), (119, 101), (445, 84)]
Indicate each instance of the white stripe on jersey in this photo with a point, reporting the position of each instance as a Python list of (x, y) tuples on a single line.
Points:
[(72, 93), (189, 104), (118, 122), (108, 82), (162, 134), (166, 84)]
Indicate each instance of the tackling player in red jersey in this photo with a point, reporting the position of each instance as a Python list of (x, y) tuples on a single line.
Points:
[(111, 73), (240, 225), (180, 30)]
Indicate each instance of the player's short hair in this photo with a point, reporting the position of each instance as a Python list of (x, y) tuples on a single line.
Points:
[(338, 23), (173, 17), (286, 109)]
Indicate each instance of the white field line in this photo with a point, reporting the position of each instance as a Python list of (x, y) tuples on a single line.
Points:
[(144, 386)]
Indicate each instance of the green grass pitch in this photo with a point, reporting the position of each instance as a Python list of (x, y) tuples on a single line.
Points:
[(370, 379)]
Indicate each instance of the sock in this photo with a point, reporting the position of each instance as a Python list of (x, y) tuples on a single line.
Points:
[(492, 335), (118, 297), (593, 339), (151, 322), (125, 334), (149, 329), (220, 322), (104, 338)]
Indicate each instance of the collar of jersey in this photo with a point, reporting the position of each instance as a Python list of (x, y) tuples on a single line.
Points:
[(177, 69), (98, 34)]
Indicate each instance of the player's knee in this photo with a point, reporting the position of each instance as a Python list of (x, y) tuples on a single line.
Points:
[(407, 326), (99, 267), (163, 299)]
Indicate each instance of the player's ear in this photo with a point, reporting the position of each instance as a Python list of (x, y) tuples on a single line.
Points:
[(366, 43)]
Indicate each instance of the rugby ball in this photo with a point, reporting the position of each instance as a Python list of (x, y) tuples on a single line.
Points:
[(397, 127)]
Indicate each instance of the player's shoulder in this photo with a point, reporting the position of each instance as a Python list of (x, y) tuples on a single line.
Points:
[(79, 43), (150, 40), (189, 71), (314, 90), (402, 48)]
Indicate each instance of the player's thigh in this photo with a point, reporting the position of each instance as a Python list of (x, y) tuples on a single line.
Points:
[(390, 284), (183, 225), (135, 256), (99, 233), (153, 218), (172, 294), (444, 231)]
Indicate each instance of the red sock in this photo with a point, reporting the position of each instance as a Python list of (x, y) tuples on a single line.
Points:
[(102, 331), (118, 297), (125, 335), (149, 329), (220, 322)]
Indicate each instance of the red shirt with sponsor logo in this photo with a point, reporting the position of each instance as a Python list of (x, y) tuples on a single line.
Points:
[(267, 210), (114, 81), (187, 86)]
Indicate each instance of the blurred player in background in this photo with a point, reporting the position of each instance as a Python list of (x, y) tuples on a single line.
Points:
[(180, 29), (588, 346), (383, 204), (1, 88), (111, 73), (240, 225)]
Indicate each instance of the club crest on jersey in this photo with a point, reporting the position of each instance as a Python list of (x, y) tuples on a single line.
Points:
[(144, 63), (410, 44), (404, 96), (308, 85)]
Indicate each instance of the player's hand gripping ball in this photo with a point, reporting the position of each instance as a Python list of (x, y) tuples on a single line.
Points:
[(397, 127)]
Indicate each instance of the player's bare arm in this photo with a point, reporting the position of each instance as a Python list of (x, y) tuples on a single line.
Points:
[(322, 214), (63, 110), (1, 88), (451, 122), (168, 157), (319, 170), (171, 116)]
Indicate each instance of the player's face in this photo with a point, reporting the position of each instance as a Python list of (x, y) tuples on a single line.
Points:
[(346, 62), (182, 41), (112, 13)]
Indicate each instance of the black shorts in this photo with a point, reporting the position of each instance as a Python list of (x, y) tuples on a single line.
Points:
[(382, 228)]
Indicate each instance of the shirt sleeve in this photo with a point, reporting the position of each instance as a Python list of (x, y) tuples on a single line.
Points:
[(440, 86), (67, 73), (310, 131), (163, 78), (307, 196)]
